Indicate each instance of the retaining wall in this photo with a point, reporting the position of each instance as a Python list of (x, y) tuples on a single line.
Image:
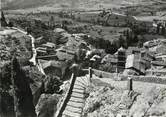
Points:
[(114, 76)]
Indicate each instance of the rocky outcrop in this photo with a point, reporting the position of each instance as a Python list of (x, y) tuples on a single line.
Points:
[(104, 101), (151, 103), (47, 105)]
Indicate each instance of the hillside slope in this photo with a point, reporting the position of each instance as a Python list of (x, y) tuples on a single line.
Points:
[(22, 4)]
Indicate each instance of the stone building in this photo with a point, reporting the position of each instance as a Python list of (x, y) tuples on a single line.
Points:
[(121, 56), (135, 62)]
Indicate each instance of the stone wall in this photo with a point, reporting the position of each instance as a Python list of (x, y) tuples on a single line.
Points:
[(150, 79)]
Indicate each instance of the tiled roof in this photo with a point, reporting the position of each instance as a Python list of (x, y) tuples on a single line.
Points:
[(57, 64), (59, 30), (64, 55), (109, 58)]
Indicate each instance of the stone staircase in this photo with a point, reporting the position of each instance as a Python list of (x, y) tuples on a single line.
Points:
[(74, 106), (72, 103)]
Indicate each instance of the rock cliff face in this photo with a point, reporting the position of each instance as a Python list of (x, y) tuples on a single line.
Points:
[(151, 103), (104, 101)]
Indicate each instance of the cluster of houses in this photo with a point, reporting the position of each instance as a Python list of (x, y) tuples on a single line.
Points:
[(56, 59), (45, 49), (149, 60)]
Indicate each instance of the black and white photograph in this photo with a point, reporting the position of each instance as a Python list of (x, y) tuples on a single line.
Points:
[(82, 58)]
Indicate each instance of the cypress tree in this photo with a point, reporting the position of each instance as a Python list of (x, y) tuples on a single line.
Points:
[(52, 22), (23, 99), (3, 20), (163, 30)]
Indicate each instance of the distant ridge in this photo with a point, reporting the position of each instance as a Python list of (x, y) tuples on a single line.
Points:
[(23, 4), (58, 5)]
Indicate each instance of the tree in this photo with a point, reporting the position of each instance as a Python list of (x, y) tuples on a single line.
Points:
[(121, 41), (10, 24), (158, 28), (3, 20), (108, 48), (163, 30), (140, 41), (23, 99), (135, 39), (29, 31), (128, 39), (52, 22), (115, 46)]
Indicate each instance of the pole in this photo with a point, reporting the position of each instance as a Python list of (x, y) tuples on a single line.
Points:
[(130, 84), (90, 74)]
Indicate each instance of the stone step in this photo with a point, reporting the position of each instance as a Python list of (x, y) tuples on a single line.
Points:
[(71, 114), (78, 90), (88, 80), (75, 104), (84, 80), (78, 95), (81, 83), (78, 87), (74, 99), (66, 115), (73, 109)]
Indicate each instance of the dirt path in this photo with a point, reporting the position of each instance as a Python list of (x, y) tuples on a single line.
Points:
[(33, 59)]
